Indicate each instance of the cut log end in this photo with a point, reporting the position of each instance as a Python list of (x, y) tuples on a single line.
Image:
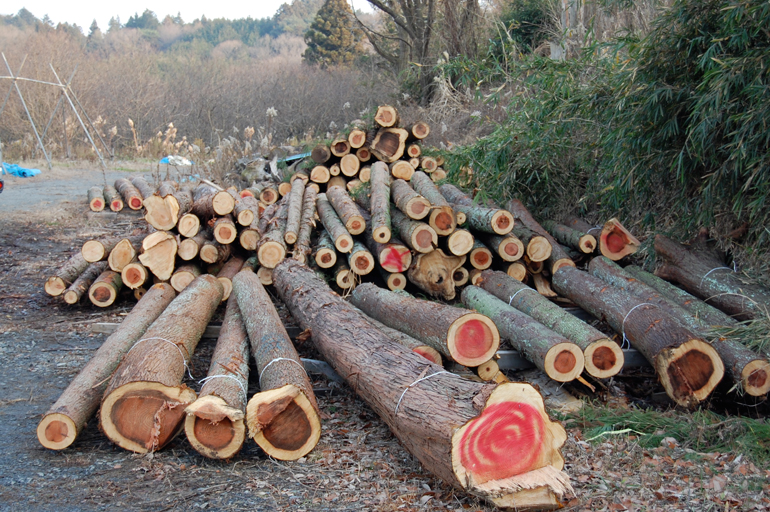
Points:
[(429, 353), (164, 404), (563, 262), (93, 251), (460, 242), (587, 244), (396, 281), (689, 372), (271, 254), (564, 362), (511, 249), (134, 275), (481, 258), (424, 238), (135, 203), (55, 286), (102, 294), (381, 234), (517, 270), (325, 258), (539, 248), (473, 339), (755, 377), (460, 276), (362, 263), (616, 241), (395, 258), (223, 203), (265, 276), (249, 239), (56, 431), (283, 422), (189, 225), (442, 220), (214, 429), (603, 359), (418, 208), (344, 243), (502, 222)]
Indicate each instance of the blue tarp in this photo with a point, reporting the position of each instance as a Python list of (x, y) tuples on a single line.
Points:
[(21, 172)]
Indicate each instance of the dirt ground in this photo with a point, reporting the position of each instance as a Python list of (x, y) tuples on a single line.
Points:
[(358, 464)]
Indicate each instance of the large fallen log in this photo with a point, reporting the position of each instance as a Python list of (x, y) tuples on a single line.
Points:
[(66, 418), (463, 336), (66, 275), (603, 357), (283, 417), (494, 442), (688, 367), (215, 421), (718, 286), (143, 406), (75, 292)]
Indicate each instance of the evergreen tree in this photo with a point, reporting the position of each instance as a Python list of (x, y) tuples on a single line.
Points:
[(94, 31), (331, 39)]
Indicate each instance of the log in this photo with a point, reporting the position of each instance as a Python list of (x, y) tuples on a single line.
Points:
[(96, 199), (718, 286), (349, 165), (224, 229), (333, 225), (486, 220), (272, 247), (393, 280), (159, 253), (439, 175), (570, 237), (307, 223), (66, 275), (246, 211), (419, 130), (321, 154), (228, 272), (555, 355), (415, 163), (364, 155), (454, 195), (603, 357), (295, 211), (337, 181), (334, 170), (129, 192), (249, 237), (143, 406), (460, 276), (325, 254), (124, 252), (66, 418), (386, 116), (393, 256), (212, 252), (558, 257), (265, 276), (412, 204), (388, 144), (538, 248), (543, 286), (189, 248), (463, 336), (184, 275), (459, 242), (268, 195), (425, 416), (533, 267), (188, 225), (403, 339), (748, 371), (480, 256), (343, 276), (105, 288), (380, 203), (419, 236), (340, 147), (163, 211), (616, 241), (320, 174), (432, 272), (509, 247), (356, 138), (516, 270), (98, 249), (143, 187), (688, 367), (214, 424), (365, 174), (474, 276), (76, 290), (112, 198), (283, 418), (360, 260), (413, 151), (353, 186), (428, 164), (134, 275), (209, 202), (402, 170), (346, 209), (442, 218)]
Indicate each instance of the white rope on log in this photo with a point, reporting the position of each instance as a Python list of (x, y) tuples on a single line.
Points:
[(275, 360), (626, 341), (184, 359), (518, 292), (222, 376), (734, 269), (415, 383)]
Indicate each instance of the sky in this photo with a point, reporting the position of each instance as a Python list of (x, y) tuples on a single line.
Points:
[(83, 12)]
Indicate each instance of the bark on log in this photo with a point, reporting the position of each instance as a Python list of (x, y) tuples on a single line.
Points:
[(184, 275), (212, 252), (224, 229), (380, 203), (412, 204), (129, 192), (144, 404), (227, 273), (403, 339), (143, 187), (66, 418), (480, 256), (388, 145), (98, 249), (454, 195), (124, 252), (159, 254), (215, 421), (272, 247), (112, 198), (537, 246), (570, 237), (603, 357), (334, 226), (346, 209), (66, 275), (688, 367), (465, 337), (321, 154), (134, 275), (209, 202), (75, 292), (425, 416), (105, 288), (718, 286), (307, 223), (249, 236), (283, 418), (432, 272), (442, 217), (189, 248), (246, 211), (343, 276), (295, 211), (417, 235), (325, 254), (360, 260), (96, 199), (558, 257), (616, 241), (487, 220), (558, 357)]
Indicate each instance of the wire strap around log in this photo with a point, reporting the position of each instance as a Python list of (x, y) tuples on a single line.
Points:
[(275, 360), (626, 342), (415, 383), (734, 269), (510, 300), (243, 388), (184, 359)]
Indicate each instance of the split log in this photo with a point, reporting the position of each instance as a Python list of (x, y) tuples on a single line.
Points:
[(134, 275), (184, 275), (143, 187), (346, 209), (294, 214), (543, 286), (616, 241), (356, 138), (307, 223), (748, 371), (96, 199), (325, 254), (130, 194), (486, 220), (320, 174), (442, 218), (380, 203), (570, 237), (66, 275), (164, 209), (105, 288), (460, 276), (417, 235), (215, 421), (189, 248), (388, 144), (538, 248), (112, 198), (321, 154), (272, 247), (283, 417), (480, 256), (349, 165), (364, 155), (76, 290), (719, 286), (463, 336), (360, 260), (412, 204), (393, 280), (143, 406), (558, 257), (386, 116), (402, 170), (603, 357), (688, 367), (403, 339), (432, 273), (459, 242), (419, 130), (159, 253), (425, 417), (212, 252), (124, 252), (555, 355), (66, 418), (227, 273), (510, 248), (340, 147), (224, 229)]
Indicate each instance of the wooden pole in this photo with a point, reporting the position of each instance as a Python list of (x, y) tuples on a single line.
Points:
[(380, 203), (66, 275), (334, 226)]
